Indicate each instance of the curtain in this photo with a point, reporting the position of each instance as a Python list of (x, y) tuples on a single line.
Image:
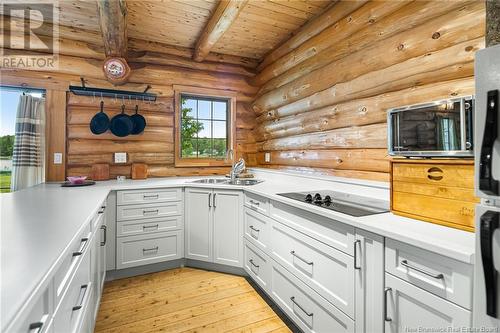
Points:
[(28, 158)]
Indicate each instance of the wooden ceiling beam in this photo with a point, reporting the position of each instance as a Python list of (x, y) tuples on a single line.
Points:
[(113, 23), (225, 14)]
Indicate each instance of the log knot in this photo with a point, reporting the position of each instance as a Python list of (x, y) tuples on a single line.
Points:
[(436, 35)]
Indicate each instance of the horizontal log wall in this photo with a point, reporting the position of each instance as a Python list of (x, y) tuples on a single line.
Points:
[(321, 106), (161, 67)]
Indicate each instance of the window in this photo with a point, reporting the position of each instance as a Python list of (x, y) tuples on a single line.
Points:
[(204, 126)]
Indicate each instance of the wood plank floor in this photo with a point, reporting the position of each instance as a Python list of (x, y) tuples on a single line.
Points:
[(185, 300)]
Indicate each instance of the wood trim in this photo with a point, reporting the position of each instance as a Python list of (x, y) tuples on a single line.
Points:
[(207, 92), (226, 13), (55, 134)]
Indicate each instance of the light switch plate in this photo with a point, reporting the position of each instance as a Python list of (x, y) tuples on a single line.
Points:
[(120, 157), (267, 157), (57, 158)]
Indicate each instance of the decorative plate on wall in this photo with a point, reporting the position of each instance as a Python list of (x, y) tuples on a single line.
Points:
[(116, 70)]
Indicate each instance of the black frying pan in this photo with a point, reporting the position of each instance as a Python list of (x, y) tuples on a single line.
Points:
[(99, 122), (138, 121), (121, 125)]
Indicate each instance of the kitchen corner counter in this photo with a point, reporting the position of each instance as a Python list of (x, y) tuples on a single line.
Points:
[(38, 224)]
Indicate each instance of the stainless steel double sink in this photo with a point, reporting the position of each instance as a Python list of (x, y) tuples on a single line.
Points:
[(238, 181)]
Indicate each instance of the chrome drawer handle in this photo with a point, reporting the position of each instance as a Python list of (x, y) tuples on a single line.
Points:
[(309, 314), (150, 249), (103, 227), (436, 276), (37, 327), (386, 292), (156, 196), (253, 264), (357, 244), (144, 227), (254, 203), (299, 257), (82, 247), (103, 208), (85, 287), (155, 211), (254, 229)]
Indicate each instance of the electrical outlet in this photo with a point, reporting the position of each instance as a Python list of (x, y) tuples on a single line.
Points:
[(267, 157), (120, 157), (57, 158)]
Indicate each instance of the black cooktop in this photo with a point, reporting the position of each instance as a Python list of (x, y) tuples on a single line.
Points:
[(349, 204)]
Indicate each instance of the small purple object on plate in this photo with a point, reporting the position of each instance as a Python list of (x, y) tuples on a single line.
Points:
[(77, 179)]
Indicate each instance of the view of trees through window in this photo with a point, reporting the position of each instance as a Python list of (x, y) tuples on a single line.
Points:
[(204, 127)]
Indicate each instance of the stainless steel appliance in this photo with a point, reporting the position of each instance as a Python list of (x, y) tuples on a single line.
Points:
[(486, 313), (349, 204), (441, 128)]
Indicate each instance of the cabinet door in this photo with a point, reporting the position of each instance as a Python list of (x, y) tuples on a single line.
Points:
[(199, 224), (228, 227), (411, 309), (94, 272), (103, 232), (369, 281)]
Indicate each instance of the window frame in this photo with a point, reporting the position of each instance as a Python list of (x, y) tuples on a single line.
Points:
[(231, 121)]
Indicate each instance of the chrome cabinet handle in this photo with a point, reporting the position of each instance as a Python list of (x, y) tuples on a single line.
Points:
[(103, 227), (254, 203), (37, 326), (299, 257), (253, 264), (254, 229), (154, 211), (144, 227), (386, 292), (103, 208), (209, 200), (82, 247), (85, 287), (310, 314), (436, 276), (214, 202), (357, 244), (150, 249), (155, 196)]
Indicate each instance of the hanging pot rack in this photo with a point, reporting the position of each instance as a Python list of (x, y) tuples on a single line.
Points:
[(113, 93)]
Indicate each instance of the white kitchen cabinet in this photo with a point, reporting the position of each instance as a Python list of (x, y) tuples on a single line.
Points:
[(411, 309), (228, 227), (369, 281), (214, 226), (199, 224)]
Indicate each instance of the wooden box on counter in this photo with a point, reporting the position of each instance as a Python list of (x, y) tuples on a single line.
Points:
[(438, 191)]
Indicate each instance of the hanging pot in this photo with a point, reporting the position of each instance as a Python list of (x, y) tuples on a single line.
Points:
[(121, 124), (99, 122), (138, 121)]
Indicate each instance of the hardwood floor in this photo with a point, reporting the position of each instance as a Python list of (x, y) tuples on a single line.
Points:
[(185, 300)]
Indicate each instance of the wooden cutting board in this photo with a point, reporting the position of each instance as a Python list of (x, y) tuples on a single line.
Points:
[(100, 171), (139, 171)]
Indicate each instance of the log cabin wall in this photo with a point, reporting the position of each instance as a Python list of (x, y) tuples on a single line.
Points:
[(323, 94), (83, 57)]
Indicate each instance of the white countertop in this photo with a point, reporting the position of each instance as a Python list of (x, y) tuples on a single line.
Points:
[(38, 224)]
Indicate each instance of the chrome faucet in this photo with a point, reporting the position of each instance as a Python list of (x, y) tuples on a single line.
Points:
[(236, 168)]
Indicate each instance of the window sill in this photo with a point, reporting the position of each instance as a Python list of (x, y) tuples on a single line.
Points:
[(195, 163)]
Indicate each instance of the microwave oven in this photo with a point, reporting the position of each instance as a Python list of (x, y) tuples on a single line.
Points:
[(437, 129)]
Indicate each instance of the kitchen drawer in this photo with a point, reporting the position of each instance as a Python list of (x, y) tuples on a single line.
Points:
[(328, 271), (328, 231), (304, 306), (70, 262), (135, 212), (257, 265), (440, 275), (454, 175), (257, 229), (148, 226), (257, 203), (411, 309), (147, 249), (148, 196), (70, 312), (37, 315)]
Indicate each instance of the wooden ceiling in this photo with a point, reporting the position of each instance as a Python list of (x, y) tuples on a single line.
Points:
[(258, 26)]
